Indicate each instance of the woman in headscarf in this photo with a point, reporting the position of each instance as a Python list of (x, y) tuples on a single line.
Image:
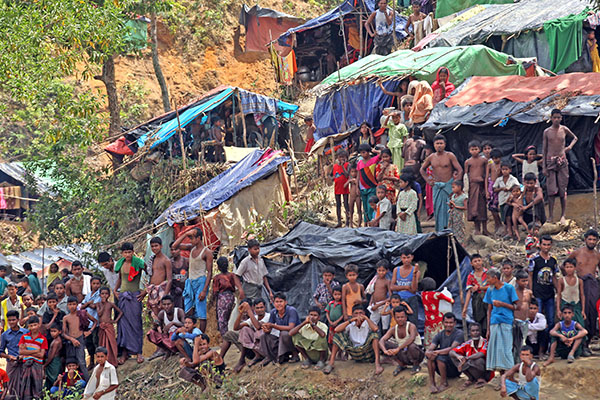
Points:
[(422, 104), (441, 86)]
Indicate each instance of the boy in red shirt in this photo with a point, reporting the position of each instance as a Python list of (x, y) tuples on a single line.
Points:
[(340, 189)]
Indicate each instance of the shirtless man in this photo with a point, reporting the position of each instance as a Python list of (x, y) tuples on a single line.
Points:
[(180, 266), (160, 276), (475, 168), (412, 152), (416, 15), (200, 274), (588, 259), (445, 168), (79, 284), (555, 164)]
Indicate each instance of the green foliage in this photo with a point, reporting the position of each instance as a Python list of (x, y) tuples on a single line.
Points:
[(134, 110)]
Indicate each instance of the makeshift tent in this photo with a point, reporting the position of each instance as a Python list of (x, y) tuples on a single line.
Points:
[(235, 198), (355, 97), (549, 30), (263, 25), (296, 260), (512, 112), (16, 196), (444, 8), (328, 38)]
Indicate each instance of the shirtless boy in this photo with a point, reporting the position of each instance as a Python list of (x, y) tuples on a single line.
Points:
[(179, 266), (381, 295), (555, 164), (75, 337), (493, 171), (106, 325), (588, 259), (416, 15), (522, 311), (160, 276), (412, 152), (445, 168), (475, 168), (75, 285)]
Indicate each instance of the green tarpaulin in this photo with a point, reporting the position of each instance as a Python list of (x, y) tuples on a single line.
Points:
[(444, 8), (462, 61), (564, 36), (137, 36)]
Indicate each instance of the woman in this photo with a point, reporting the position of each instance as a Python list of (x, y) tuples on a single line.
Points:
[(422, 104)]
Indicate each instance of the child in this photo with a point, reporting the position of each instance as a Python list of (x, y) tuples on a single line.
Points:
[(507, 273), (68, 383), (502, 186), (486, 150), (387, 174), (30, 312), (406, 205), (366, 178), (442, 87), (103, 379), (334, 312), (340, 189), (532, 242), (395, 301), (521, 313), (476, 287), (324, 291), (383, 215), (456, 214), (536, 326), (398, 134), (431, 304), (32, 349), (353, 293), (106, 325), (184, 337), (567, 336), (475, 169), (53, 363), (28, 300), (310, 133), (492, 173), (224, 292), (416, 15), (353, 197), (51, 316), (208, 361), (379, 288), (416, 186), (310, 339), (75, 346), (569, 291), (526, 385), (366, 135), (405, 280), (373, 200), (516, 201), (531, 161)]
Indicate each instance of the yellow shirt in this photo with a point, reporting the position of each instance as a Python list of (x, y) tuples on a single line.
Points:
[(7, 306)]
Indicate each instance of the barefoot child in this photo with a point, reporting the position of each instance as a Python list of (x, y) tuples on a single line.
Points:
[(380, 294), (502, 186), (310, 339), (106, 325), (75, 337), (525, 385), (476, 287), (458, 204), (516, 203), (224, 293), (530, 161), (334, 312), (395, 301), (353, 197), (340, 177), (569, 291), (520, 325), (475, 169), (406, 205), (353, 293), (532, 241), (205, 360), (492, 173), (54, 362), (383, 212), (567, 336), (69, 383), (324, 291), (184, 337), (387, 174), (405, 281)]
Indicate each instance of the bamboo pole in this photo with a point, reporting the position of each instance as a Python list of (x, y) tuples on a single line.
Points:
[(360, 33), (344, 38), (460, 285), (595, 193), (181, 143), (332, 145), (245, 137)]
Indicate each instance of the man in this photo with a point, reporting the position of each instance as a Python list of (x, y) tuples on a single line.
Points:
[(405, 348), (276, 343), (588, 259), (10, 303), (160, 276), (79, 284), (383, 34), (180, 268), (310, 339), (34, 282), (253, 272), (200, 274), (469, 358), (555, 164), (60, 291), (412, 152), (107, 267), (445, 168), (130, 335), (438, 359), (168, 320), (9, 349)]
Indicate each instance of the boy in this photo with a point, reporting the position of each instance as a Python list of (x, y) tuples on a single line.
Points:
[(68, 384), (51, 316), (469, 358), (438, 359), (502, 186), (161, 274), (335, 312), (567, 336), (475, 169), (397, 133), (310, 132), (493, 171), (520, 326), (184, 337), (103, 382), (79, 284), (515, 202), (395, 301), (75, 346), (476, 287), (406, 348), (569, 291), (405, 281), (324, 292), (166, 323), (373, 207), (502, 300), (354, 196), (253, 271), (59, 290), (106, 328), (24, 289), (179, 268), (380, 295), (206, 361), (353, 293), (32, 349), (340, 189), (89, 305), (532, 242), (310, 339), (34, 282), (276, 343), (536, 327), (526, 385), (357, 337), (486, 151), (9, 349), (54, 362), (383, 215), (416, 15), (383, 19), (507, 274)]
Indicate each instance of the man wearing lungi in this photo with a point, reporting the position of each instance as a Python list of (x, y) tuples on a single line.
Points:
[(160, 273), (9, 349), (555, 164), (253, 272)]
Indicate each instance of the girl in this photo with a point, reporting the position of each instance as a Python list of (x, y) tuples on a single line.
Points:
[(456, 213), (353, 197), (531, 161), (422, 104), (224, 293), (387, 174), (53, 275), (406, 206), (366, 135), (442, 87)]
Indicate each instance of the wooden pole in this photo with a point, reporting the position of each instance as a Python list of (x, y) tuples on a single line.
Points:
[(332, 145), (344, 38), (460, 285), (244, 137), (360, 33), (183, 155), (595, 193), (394, 5)]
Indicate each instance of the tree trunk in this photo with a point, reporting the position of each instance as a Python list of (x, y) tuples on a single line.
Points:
[(108, 78), (156, 64)]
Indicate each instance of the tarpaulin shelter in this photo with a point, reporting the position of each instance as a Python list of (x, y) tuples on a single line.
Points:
[(512, 112), (16, 196), (354, 96), (550, 30), (236, 197), (443, 8), (296, 260), (263, 25)]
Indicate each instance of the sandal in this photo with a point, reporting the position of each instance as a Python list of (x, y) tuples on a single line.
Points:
[(319, 365), (328, 368), (306, 364), (570, 359), (398, 369)]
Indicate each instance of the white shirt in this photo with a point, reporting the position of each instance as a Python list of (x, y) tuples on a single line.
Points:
[(357, 335), (538, 324), (385, 206), (382, 28), (108, 377), (111, 277), (510, 182), (248, 322)]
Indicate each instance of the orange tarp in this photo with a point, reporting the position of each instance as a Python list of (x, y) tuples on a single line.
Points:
[(489, 89)]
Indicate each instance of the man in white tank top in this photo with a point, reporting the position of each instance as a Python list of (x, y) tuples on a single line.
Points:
[(383, 19), (169, 319)]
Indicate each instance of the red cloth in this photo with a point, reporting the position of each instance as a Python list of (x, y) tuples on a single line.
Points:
[(472, 280), (438, 87), (339, 179), (433, 316), (119, 146), (309, 144), (3, 379), (223, 282), (467, 349)]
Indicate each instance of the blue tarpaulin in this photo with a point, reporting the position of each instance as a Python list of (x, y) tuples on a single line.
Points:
[(346, 7), (251, 103), (256, 165)]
